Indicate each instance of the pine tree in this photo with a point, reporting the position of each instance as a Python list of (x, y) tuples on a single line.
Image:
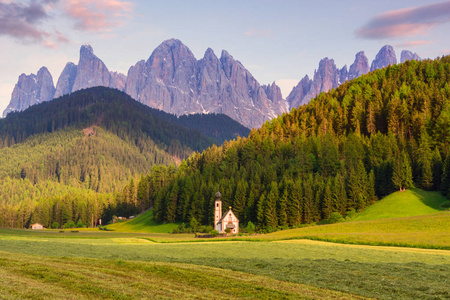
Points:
[(271, 206), (261, 216), (294, 202), (402, 174)]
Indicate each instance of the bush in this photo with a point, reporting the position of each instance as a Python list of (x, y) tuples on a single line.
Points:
[(228, 230), (335, 217), (214, 233), (69, 224), (250, 227), (55, 225), (80, 224), (205, 229)]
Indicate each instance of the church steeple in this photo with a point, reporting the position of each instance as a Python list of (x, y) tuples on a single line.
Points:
[(217, 208)]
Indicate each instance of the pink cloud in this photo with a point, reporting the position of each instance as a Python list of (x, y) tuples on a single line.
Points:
[(97, 15), (408, 22), (413, 43)]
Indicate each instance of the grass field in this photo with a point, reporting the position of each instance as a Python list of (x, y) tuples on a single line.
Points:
[(414, 202), (289, 264), (379, 272), (27, 276), (143, 223), (427, 231)]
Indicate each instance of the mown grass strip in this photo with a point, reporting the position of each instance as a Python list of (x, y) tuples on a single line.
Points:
[(69, 278)]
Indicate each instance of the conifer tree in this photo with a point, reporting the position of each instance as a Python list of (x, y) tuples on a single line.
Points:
[(402, 174), (271, 206)]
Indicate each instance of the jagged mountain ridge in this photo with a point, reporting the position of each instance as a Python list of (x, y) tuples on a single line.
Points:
[(328, 76), (174, 81)]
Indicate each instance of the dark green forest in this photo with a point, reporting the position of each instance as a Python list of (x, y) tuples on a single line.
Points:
[(385, 131), (87, 146)]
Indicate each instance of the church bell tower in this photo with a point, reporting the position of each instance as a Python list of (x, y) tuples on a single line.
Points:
[(217, 209)]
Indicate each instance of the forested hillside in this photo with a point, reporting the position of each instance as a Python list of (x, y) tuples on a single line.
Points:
[(90, 143), (384, 131)]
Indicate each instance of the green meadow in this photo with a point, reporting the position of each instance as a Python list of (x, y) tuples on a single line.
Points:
[(413, 202), (141, 260), (119, 262), (143, 223)]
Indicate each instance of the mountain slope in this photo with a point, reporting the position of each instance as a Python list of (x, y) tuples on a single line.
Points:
[(62, 160), (384, 131)]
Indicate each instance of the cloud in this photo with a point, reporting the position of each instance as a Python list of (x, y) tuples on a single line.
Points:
[(406, 22), (413, 43), (97, 15), (258, 33), (21, 21)]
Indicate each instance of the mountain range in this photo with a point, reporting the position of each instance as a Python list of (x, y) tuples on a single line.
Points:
[(174, 81)]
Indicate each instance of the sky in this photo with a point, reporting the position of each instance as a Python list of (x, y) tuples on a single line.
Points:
[(276, 40)]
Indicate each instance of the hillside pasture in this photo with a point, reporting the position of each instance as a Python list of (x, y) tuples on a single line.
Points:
[(413, 202), (426, 231), (143, 223)]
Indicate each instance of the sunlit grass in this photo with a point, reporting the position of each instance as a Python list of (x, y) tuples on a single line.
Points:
[(34, 277), (143, 223), (427, 231), (414, 202)]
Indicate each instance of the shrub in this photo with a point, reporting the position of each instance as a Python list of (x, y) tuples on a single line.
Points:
[(55, 225), (250, 227), (69, 224), (228, 230), (335, 217), (214, 233), (80, 224)]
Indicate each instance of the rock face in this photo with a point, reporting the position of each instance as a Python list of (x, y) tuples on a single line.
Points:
[(327, 76), (31, 89), (298, 93), (174, 81), (359, 67), (385, 57), (66, 80), (91, 71), (408, 55)]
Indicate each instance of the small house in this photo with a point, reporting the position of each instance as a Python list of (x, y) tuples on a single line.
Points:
[(37, 226)]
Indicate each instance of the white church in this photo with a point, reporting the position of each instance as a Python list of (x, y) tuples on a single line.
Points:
[(228, 220)]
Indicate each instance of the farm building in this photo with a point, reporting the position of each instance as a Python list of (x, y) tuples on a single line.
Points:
[(228, 220), (37, 226)]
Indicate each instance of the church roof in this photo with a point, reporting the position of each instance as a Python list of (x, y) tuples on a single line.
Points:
[(218, 194), (225, 214)]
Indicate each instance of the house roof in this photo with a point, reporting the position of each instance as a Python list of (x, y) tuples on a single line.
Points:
[(37, 224), (226, 214)]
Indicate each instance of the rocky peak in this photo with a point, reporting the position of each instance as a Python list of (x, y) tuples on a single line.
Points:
[(86, 52), (30, 90), (408, 55), (385, 57), (46, 86), (359, 67), (66, 80), (343, 74), (91, 71), (298, 93)]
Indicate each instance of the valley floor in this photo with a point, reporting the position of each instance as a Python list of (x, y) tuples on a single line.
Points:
[(119, 265)]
